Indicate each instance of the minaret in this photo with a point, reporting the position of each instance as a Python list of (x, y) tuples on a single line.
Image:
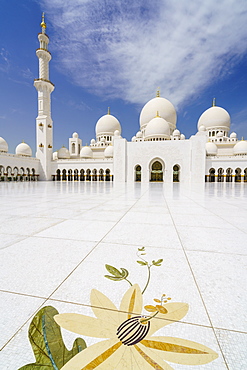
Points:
[(44, 129)]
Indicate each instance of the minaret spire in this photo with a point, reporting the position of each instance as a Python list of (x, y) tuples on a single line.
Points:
[(43, 24), (44, 87), (214, 102)]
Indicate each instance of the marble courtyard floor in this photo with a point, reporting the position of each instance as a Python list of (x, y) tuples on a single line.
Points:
[(57, 237)]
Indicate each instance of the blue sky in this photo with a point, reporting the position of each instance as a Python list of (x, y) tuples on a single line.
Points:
[(117, 53)]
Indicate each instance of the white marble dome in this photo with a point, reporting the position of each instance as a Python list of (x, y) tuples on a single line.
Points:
[(75, 135), (182, 137), (211, 148), (176, 133), (92, 142), (164, 108), (240, 148), (157, 128), (107, 125), (233, 135), (117, 133), (86, 152), (220, 134), (63, 153), (24, 150), (202, 128), (3, 145), (215, 117), (108, 152), (139, 135), (133, 138)]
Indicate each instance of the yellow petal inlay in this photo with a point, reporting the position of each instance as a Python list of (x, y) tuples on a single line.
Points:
[(148, 359), (132, 303), (170, 347), (102, 357)]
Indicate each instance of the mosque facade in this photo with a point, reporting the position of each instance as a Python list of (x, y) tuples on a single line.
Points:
[(157, 152)]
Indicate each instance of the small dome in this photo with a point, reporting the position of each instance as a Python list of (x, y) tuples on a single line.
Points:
[(107, 125), (92, 142), (54, 156), (157, 128), (163, 106), (240, 148), (3, 145), (139, 134), (102, 139), (202, 128), (233, 135), (215, 117), (63, 153), (182, 137), (211, 148), (86, 152), (176, 132), (133, 138), (109, 151), (23, 149), (220, 134), (117, 133), (75, 135)]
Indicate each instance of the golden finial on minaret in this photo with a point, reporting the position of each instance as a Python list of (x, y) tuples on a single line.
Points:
[(43, 24), (158, 93), (108, 111), (157, 114), (214, 102)]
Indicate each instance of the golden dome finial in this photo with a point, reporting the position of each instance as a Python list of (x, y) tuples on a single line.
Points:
[(158, 93), (43, 24), (108, 111), (214, 102), (157, 114)]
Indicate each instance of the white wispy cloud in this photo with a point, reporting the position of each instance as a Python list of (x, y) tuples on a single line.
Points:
[(126, 49), (4, 60)]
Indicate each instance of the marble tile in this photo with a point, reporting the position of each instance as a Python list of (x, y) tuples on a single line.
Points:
[(78, 230), (221, 279), (27, 225), (38, 265), (155, 235), (234, 346), (9, 239), (213, 240)]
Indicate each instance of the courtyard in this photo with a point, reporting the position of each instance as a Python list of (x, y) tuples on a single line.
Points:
[(57, 237)]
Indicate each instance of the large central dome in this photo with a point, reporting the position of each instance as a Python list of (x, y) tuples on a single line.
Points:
[(164, 108)]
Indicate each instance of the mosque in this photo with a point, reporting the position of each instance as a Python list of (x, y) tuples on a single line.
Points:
[(157, 152)]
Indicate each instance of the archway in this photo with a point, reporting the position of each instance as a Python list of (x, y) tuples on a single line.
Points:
[(76, 177), (101, 175), (238, 175), (107, 175), (82, 175), (64, 176), (138, 173), (220, 175), (58, 175), (156, 172), (88, 175), (176, 173), (229, 175), (212, 175), (94, 177)]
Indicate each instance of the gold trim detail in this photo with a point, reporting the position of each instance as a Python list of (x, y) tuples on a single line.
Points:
[(148, 359), (101, 358), (132, 304), (171, 347)]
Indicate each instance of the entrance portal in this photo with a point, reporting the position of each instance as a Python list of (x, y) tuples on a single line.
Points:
[(156, 172)]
